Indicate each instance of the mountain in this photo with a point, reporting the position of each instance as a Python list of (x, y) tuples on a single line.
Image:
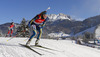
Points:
[(90, 30), (92, 21), (61, 16), (62, 23), (68, 25)]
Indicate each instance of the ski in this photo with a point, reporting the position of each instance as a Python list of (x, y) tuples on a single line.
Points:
[(31, 49), (11, 38), (43, 47)]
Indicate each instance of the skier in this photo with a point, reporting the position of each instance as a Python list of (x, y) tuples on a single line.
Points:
[(37, 23), (10, 29)]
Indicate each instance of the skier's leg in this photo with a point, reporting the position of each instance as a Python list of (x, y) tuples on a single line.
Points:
[(39, 36), (34, 33), (8, 33), (32, 36), (11, 32)]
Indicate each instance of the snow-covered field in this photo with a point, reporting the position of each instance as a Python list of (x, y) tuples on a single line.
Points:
[(65, 49)]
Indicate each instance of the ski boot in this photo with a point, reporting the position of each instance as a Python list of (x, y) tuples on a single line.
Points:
[(10, 35), (36, 43), (28, 43), (7, 35)]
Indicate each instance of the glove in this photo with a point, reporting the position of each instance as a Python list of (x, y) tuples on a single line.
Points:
[(41, 26)]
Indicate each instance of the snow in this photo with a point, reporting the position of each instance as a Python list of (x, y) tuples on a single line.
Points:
[(97, 34), (91, 30), (54, 17), (65, 48), (60, 34)]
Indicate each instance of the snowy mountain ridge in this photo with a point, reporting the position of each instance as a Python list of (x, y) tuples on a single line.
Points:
[(91, 30), (54, 17)]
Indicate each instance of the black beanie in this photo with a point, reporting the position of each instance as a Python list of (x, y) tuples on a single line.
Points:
[(44, 12)]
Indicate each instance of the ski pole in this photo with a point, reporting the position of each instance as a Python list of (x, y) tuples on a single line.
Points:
[(26, 39), (11, 38), (14, 36), (48, 8)]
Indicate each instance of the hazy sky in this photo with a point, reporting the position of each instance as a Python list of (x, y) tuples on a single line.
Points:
[(16, 10)]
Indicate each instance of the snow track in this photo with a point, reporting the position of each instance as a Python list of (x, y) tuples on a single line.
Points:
[(66, 49)]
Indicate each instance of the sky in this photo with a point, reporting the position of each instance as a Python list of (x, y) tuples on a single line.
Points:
[(16, 10)]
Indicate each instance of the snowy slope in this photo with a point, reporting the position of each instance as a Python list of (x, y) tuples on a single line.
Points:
[(66, 49), (91, 30), (97, 32), (60, 34)]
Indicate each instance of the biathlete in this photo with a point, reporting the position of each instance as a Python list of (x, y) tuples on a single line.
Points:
[(10, 29), (37, 23)]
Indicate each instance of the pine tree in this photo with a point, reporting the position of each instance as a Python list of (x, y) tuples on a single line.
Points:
[(22, 31), (0, 33)]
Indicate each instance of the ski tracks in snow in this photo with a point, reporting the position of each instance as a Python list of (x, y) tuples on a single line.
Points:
[(65, 47), (11, 50)]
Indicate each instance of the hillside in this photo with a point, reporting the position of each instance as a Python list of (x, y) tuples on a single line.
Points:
[(70, 26), (62, 23)]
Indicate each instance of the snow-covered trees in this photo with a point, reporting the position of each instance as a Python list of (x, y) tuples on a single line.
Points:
[(22, 30)]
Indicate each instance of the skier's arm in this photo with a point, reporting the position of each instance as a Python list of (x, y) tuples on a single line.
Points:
[(36, 17), (31, 21), (45, 22)]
